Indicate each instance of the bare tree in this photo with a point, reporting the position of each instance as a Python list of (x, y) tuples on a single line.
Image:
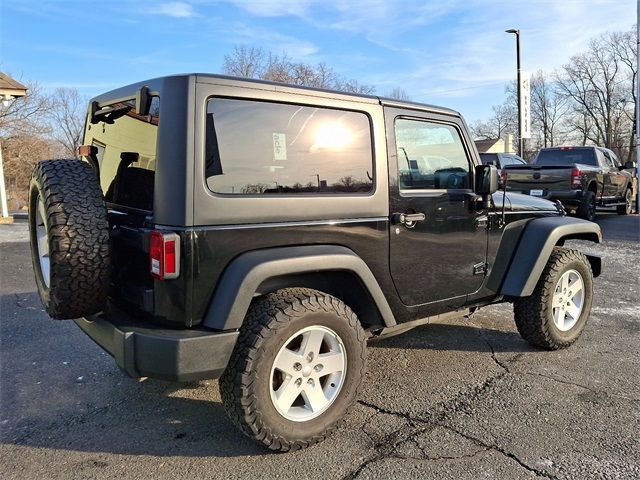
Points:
[(252, 62), (548, 108), (67, 116), (595, 85), (247, 62), (625, 49), (398, 93), (20, 154), (501, 122), (26, 115)]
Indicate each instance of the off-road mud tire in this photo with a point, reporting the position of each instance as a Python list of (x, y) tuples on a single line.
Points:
[(533, 314), (627, 208), (587, 207), (271, 320), (77, 234)]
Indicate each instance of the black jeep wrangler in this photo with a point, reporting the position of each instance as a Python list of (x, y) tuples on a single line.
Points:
[(262, 233)]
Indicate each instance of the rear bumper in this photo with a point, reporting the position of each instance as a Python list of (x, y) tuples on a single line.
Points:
[(143, 350), (570, 198)]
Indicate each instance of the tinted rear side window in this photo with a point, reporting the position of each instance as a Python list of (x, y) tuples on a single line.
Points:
[(585, 156), (126, 151), (263, 148)]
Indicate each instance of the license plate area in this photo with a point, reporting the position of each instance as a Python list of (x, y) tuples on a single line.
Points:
[(536, 192)]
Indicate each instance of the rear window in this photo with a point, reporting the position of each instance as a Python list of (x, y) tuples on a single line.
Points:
[(567, 156), (264, 148), (126, 151)]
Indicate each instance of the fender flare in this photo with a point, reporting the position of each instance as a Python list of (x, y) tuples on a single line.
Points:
[(534, 248), (243, 276)]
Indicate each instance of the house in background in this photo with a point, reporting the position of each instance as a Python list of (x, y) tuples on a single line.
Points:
[(500, 145), (9, 91)]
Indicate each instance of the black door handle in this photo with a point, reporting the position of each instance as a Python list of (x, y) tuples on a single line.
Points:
[(407, 219)]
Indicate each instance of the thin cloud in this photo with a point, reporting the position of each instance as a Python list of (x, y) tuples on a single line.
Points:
[(175, 10)]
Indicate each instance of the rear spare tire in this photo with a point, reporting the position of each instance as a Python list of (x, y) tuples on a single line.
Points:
[(69, 234)]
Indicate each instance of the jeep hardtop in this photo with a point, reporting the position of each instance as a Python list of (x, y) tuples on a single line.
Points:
[(262, 233)]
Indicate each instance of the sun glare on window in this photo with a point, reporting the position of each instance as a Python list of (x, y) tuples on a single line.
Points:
[(332, 136)]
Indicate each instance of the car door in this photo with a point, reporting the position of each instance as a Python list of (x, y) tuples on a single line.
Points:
[(438, 240), (609, 173), (620, 178)]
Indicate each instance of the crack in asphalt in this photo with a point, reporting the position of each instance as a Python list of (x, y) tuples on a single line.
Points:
[(501, 450), (506, 368), (580, 385), (387, 447)]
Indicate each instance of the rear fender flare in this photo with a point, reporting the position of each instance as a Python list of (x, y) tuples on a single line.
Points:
[(244, 275)]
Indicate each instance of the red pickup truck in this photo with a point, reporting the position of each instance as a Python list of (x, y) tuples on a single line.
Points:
[(582, 178)]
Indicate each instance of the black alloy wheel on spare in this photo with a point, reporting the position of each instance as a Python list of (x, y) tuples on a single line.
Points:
[(69, 234)]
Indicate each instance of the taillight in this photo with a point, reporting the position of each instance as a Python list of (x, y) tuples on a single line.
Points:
[(164, 255), (503, 176), (576, 181)]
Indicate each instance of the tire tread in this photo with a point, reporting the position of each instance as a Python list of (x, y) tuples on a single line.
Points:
[(266, 315)]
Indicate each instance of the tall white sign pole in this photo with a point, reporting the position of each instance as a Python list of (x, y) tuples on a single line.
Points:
[(3, 192), (638, 113)]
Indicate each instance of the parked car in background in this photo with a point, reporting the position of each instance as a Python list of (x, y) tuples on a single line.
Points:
[(582, 178), (500, 160)]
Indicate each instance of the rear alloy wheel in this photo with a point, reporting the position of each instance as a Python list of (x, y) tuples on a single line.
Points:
[(587, 208), (555, 314), (627, 208), (308, 373), (296, 368)]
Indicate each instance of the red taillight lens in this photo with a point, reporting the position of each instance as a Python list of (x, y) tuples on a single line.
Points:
[(164, 255), (170, 257), (576, 181), (503, 177)]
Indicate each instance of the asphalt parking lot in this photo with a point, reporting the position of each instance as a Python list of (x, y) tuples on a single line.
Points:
[(468, 399)]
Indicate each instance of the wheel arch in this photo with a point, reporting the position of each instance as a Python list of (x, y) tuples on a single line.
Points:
[(332, 269), (534, 248)]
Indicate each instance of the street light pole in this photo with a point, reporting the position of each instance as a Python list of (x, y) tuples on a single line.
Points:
[(520, 140)]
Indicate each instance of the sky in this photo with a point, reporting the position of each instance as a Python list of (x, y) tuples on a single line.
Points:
[(453, 53)]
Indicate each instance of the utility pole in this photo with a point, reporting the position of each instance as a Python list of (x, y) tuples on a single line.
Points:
[(519, 79), (637, 87)]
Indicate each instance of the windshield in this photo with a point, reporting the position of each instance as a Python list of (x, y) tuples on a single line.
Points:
[(566, 156)]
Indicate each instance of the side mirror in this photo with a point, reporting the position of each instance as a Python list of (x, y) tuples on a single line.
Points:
[(486, 180), (629, 164), (486, 183)]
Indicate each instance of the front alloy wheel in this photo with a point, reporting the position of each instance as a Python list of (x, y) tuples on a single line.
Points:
[(555, 314), (568, 300)]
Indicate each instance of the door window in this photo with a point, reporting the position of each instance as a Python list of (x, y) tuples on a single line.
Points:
[(430, 156)]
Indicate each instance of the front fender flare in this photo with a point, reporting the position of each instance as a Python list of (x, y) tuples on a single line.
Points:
[(243, 276), (539, 237)]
